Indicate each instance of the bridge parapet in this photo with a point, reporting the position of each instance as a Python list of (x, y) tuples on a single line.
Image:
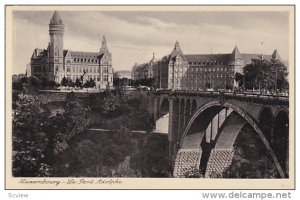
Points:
[(250, 97)]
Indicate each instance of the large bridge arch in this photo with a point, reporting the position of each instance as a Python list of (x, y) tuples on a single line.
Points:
[(245, 116)]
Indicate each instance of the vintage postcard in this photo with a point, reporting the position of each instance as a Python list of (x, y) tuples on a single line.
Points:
[(150, 97)]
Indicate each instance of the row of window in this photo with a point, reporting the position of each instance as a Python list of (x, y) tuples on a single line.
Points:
[(198, 69), (94, 77), (201, 75), (81, 69), (207, 63), (204, 77), (197, 82), (86, 60)]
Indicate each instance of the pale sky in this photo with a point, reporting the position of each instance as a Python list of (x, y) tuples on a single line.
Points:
[(134, 36)]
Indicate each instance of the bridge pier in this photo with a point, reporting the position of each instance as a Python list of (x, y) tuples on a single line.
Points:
[(173, 129), (188, 158), (187, 163)]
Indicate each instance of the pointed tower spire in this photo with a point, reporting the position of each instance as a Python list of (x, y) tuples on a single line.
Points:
[(236, 58), (235, 55), (152, 59), (177, 47), (56, 19), (275, 55), (176, 51), (103, 48)]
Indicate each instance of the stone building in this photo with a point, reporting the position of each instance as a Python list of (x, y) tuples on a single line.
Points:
[(55, 62), (122, 74), (179, 71), (145, 70)]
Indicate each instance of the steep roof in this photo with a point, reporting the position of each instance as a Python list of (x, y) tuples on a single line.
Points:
[(223, 58), (202, 58), (235, 54), (104, 48), (275, 55), (177, 51), (56, 19), (38, 53), (81, 54)]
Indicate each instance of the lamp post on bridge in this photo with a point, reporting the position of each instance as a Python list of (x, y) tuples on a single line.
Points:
[(276, 78)]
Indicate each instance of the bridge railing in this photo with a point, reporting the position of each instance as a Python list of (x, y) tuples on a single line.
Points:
[(228, 94)]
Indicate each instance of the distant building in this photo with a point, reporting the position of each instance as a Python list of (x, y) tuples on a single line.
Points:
[(144, 71), (28, 70), (17, 77), (179, 71), (54, 63), (122, 74)]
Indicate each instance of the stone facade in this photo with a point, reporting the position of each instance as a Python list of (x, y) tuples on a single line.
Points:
[(219, 161), (144, 71), (187, 163), (54, 63)]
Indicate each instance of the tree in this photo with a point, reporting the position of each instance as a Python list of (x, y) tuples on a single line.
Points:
[(64, 81), (78, 83), (265, 74), (92, 83), (51, 84), (116, 82), (89, 83), (70, 82), (75, 117), (44, 82), (30, 140), (39, 134), (86, 84), (239, 78), (34, 81)]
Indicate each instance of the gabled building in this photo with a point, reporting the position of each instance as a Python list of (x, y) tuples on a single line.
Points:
[(179, 71), (55, 63)]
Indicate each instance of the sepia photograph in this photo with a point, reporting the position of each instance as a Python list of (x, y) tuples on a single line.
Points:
[(150, 97)]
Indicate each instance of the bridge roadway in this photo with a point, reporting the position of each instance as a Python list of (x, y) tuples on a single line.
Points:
[(228, 94)]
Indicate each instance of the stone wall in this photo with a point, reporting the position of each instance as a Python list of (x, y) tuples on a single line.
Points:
[(187, 163)]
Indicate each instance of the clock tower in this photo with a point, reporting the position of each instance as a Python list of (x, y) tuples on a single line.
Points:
[(56, 32)]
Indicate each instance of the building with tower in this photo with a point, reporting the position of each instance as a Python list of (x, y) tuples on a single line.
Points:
[(179, 71), (55, 62)]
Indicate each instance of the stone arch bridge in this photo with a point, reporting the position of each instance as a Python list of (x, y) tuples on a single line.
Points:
[(203, 127)]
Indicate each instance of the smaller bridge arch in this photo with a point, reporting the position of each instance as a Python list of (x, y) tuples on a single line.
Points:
[(187, 111), (164, 107), (281, 138), (266, 120)]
